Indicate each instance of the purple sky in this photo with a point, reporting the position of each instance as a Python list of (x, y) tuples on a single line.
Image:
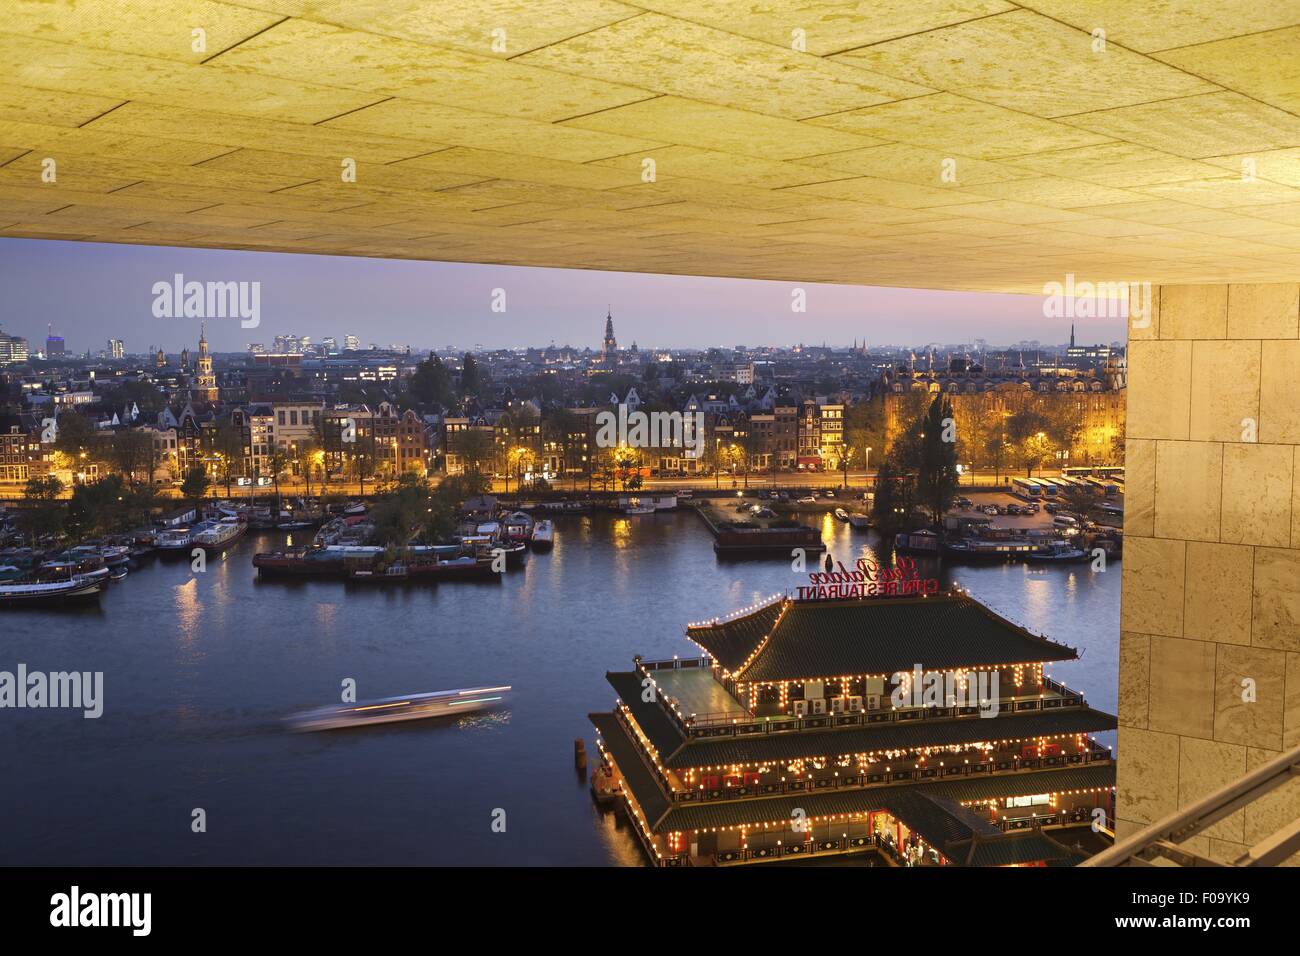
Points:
[(94, 291)]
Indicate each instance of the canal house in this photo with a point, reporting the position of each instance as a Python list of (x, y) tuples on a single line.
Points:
[(915, 730)]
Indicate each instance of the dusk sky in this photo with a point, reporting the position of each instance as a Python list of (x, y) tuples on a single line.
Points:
[(93, 291)]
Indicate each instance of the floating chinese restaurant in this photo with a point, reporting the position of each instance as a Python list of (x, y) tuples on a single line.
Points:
[(912, 730)]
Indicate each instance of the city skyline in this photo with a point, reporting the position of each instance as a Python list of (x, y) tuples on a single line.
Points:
[(72, 285)]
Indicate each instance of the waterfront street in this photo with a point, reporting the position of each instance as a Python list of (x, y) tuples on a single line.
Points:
[(199, 670)]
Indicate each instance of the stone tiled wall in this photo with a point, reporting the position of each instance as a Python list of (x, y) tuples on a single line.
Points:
[(1211, 588)]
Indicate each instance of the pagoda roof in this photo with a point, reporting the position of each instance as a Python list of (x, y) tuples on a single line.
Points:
[(794, 640), (1006, 849), (664, 816)]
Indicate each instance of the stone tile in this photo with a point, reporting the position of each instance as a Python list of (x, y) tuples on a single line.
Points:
[(1264, 311), (1181, 690), (1205, 766), (1146, 784), (1279, 392), (1275, 809), (1159, 389), (1225, 851), (1216, 606), (1249, 714), (1295, 499), (1139, 486), (1193, 311), (1134, 678), (1189, 486), (1291, 704), (1225, 390), (1151, 601), (1256, 494), (1275, 608), (1139, 327)]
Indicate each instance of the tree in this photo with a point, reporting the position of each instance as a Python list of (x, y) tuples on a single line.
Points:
[(228, 443), (196, 483), (277, 461), (43, 514), (130, 453), (891, 510), (471, 382), (98, 507), (864, 427), (76, 437), (431, 383), (476, 446), (936, 477)]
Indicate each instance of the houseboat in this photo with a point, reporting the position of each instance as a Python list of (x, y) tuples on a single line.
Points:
[(808, 729), (53, 591), (215, 536), (172, 542), (917, 542), (859, 520)]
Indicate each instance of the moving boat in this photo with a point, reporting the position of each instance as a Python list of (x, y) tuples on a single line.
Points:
[(860, 521), (76, 587), (543, 536), (841, 514), (447, 703), (219, 534)]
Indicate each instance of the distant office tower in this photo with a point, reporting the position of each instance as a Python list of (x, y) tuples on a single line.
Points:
[(54, 345), (256, 348), (116, 349), (13, 349), (330, 344), (351, 343)]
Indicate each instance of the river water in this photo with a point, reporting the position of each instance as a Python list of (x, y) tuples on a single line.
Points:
[(200, 669)]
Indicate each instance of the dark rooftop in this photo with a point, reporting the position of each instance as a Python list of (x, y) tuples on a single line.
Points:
[(792, 640)]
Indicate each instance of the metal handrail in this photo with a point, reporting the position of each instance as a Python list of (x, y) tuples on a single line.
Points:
[(1163, 838)]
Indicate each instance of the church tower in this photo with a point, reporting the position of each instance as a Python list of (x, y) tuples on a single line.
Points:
[(610, 345), (205, 382)]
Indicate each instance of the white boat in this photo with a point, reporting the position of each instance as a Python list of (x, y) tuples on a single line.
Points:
[(446, 703), (174, 539), (37, 593), (543, 535), (860, 521), (639, 510), (841, 514), (220, 534)]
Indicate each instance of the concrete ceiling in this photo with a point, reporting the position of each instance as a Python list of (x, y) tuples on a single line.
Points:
[(1170, 152)]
